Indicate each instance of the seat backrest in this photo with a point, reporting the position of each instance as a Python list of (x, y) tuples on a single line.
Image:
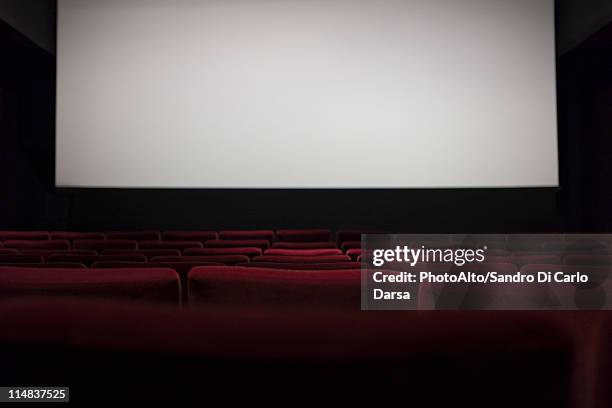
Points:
[(246, 251), (153, 284), (100, 245), (46, 253), (182, 268), (305, 245), (240, 286), (237, 243), (55, 244), (21, 258), (217, 348), (303, 266), (592, 295), (302, 252), (70, 265), (222, 259), (180, 245), (350, 245), (90, 259), (302, 259), (148, 253), (23, 235)]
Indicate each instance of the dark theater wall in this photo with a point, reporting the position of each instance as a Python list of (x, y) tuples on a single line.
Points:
[(27, 87), (585, 130), (33, 18), (458, 211), (28, 198)]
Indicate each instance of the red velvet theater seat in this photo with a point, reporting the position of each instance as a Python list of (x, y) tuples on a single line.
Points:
[(303, 266), (46, 253), (593, 295), (350, 245), (90, 259), (240, 286), (250, 357), (302, 252), (134, 235), (152, 284), (302, 259), (223, 259), (201, 236), (247, 251), (306, 235), (587, 259), (180, 245), (355, 253), (55, 265), (23, 235), (74, 235), (181, 268), (21, 258), (238, 243), (7, 251), (304, 245), (239, 235), (101, 245), (148, 253), (55, 244)]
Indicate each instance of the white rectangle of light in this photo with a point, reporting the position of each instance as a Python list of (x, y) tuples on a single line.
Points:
[(306, 93)]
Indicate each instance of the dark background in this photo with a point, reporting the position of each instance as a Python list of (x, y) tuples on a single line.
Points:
[(583, 203)]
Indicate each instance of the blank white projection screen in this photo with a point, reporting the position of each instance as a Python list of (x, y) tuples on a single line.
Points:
[(306, 94)]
